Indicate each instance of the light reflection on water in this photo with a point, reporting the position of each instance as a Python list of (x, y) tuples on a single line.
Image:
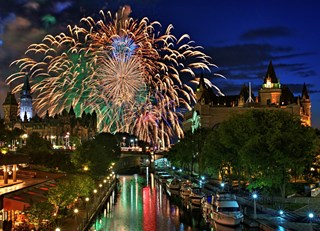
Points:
[(142, 207)]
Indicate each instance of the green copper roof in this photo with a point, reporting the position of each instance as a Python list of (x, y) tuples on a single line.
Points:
[(10, 99)]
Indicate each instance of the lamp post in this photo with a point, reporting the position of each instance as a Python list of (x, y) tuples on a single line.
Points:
[(222, 186), (255, 197), (87, 200), (311, 216), (94, 195), (281, 212), (124, 141), (76, 217)]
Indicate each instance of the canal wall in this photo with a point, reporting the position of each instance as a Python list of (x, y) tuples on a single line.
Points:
[(109, 195)]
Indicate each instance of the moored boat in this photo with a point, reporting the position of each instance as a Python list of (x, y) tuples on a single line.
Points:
[(196, 195), (223, 209), (173, 186), (185, 189)]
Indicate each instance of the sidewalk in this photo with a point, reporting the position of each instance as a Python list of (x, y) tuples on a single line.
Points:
[(268, 219), (86, 210)]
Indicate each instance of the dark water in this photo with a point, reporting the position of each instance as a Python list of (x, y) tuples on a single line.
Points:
[(144, 206)]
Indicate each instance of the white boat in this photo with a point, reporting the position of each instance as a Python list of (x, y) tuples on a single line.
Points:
[(173, 186), (196, 195), (163, 178), (185, 189), (223, 209)]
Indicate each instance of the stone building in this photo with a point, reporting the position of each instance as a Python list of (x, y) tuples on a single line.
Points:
[(60, 129), (213, 109)]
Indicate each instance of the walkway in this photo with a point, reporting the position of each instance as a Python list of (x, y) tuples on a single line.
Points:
[(84, 211)]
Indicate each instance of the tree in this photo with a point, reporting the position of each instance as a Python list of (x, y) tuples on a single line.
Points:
[(266, 146), (83, 185), (39, 212), (181, 154), (37, 148), (63, 195), (97, 154)]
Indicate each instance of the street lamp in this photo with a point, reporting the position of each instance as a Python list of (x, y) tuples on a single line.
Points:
[(94, 194), (281, 212), (255, 197), (222, 186), (311, 216), (76, 217), (87, 200)]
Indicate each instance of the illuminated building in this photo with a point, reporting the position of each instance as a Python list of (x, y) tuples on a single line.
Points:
[(272, 95), (58, 129)]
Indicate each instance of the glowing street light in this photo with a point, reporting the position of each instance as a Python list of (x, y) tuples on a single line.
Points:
[(255, 197), (87, 200), (281, 212), (76, 211), (222, 186), (311, 216), (124, 144)]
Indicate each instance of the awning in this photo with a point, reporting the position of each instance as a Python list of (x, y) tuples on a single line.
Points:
[(12, 204), (22, 199)]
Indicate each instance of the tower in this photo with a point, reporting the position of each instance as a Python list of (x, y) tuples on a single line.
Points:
[(305, 102), (204, 94), (26, 101), (10, 108), (271, 88)]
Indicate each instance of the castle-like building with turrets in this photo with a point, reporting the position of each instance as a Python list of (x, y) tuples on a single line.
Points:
[(213, 109), (60, 129)]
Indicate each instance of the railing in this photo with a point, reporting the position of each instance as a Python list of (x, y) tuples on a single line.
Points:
[(99, 200)]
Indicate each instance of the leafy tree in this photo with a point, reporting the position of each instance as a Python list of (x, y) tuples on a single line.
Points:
[(63, 195), (181, 154), (267, 146), (97, 154), (83, 185), (37, 148), (39, 212)]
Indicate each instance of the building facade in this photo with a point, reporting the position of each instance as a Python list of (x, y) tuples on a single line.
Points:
[(272, 95), (60, 129)]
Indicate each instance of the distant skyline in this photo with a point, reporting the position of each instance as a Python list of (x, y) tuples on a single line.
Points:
[(241, 37)]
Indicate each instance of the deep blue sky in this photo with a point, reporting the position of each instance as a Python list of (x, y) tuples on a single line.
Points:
[(240, 36)]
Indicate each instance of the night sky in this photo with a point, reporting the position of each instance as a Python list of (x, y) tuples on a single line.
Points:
[(240, 36)]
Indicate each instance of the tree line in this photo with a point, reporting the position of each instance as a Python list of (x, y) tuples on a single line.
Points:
[(264, 149)]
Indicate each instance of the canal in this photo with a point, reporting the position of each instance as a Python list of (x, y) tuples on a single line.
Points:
[(143, 205)]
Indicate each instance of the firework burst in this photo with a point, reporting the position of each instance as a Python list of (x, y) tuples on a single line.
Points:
[(123, 69)]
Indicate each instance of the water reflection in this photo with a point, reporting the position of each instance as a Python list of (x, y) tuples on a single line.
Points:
[(146, 207)]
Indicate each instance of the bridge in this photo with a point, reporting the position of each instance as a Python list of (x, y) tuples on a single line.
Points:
[(134, 160)]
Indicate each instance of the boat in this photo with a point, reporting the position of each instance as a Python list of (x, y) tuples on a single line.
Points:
[(164, 177), (223, 209), (173, 186), (196, 195), (185, 189)]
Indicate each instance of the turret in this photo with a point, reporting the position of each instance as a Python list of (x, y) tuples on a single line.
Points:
[(306, 106), (26, 101), (10, 108), (204, 94), (271, 88)]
